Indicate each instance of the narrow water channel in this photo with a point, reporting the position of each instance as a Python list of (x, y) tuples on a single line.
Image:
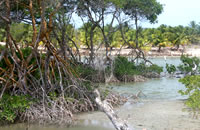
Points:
[(160, 107)]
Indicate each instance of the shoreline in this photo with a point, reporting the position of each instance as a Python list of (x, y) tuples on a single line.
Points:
[(190, 50)]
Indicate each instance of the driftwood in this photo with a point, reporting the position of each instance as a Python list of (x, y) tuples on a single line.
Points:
[(104, 106)]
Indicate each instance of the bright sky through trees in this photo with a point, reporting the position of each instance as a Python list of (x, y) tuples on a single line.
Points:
[(178, 12)]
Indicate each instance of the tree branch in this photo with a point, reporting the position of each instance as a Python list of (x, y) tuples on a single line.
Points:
[(2, 2), (118, 123)]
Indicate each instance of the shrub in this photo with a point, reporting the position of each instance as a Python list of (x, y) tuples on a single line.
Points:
[(155, 68), (12, 106), (85, 71), (192, 84), (189, 64), (171, 69), (123, 67)]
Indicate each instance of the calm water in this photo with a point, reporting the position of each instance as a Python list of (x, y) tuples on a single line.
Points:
[(154, 89), (162, 62), (163, 88), (36, 127)]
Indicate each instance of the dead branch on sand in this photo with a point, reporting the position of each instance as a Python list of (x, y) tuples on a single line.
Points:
[(104, 106)]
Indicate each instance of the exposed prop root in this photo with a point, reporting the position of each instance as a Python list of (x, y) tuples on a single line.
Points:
[(58, 111)]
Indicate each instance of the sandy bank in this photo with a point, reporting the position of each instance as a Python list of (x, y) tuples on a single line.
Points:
[(191, 50)]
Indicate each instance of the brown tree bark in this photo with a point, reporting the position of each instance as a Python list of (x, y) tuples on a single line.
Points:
[(33, 22)]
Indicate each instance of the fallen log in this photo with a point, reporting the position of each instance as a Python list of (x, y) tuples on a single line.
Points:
[(104, 106)]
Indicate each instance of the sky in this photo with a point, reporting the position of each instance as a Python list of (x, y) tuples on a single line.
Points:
[(178, 12)]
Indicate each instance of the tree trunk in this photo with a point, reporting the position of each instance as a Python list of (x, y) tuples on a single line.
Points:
[(159, 49), (33, 22), (136, 34), (91, 44)]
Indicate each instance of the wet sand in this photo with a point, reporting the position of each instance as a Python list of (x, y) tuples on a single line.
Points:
[(163, 115), (150, 115)]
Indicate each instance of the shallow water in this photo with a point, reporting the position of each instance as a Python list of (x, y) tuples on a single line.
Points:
[(37, 127), (163, 88), (153, 89), (162, 61)]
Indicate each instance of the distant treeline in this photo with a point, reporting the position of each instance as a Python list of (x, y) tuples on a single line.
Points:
[(162, 36)]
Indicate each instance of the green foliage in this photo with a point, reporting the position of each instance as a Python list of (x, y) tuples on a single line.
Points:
[(188, 64), (192, 84), (124, 67), (88, 85), (142, 68), (193, 32), (26, 52), (171, 69), (163, 36), (21, 32), (85, 71), (155, 68), (2, 47), (139, 9), (2, 35), (53, 95), (12, 106)]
